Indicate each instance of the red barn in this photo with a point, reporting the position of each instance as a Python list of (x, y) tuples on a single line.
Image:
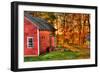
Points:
[(38, 36)]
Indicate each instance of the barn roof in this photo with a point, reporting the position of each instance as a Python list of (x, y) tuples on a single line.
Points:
[(41, 23)]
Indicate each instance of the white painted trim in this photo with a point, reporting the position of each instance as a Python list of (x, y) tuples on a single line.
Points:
[(28, 37), (38, 41), (32, 22)]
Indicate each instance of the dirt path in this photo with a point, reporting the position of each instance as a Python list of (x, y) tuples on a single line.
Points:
[(76, 48), (71, 48)]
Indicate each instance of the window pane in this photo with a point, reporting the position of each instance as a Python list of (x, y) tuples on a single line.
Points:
[(30, 42)]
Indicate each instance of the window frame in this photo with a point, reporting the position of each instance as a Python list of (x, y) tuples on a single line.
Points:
[(28, 42)]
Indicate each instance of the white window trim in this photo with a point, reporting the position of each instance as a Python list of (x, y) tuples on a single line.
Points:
[(28, 42)]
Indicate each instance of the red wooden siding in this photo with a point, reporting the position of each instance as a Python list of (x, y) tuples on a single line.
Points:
[(44, 41), (30, 30), (40, 34)]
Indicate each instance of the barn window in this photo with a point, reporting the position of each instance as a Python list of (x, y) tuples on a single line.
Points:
[(29, 42)]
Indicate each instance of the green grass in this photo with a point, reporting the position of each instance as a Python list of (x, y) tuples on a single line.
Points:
[(58, 55)]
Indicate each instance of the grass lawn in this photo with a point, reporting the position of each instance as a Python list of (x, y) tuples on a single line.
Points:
[(58, 55)]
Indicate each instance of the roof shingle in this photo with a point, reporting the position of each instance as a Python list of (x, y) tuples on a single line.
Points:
[(41, 23)]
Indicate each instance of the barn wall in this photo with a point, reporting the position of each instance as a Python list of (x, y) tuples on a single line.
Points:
[(44, 41), (30, 30)]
